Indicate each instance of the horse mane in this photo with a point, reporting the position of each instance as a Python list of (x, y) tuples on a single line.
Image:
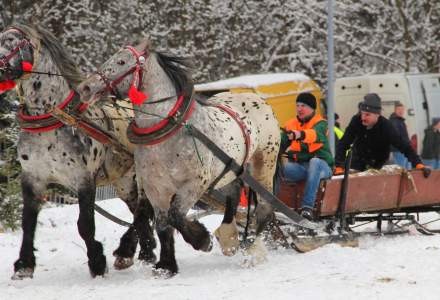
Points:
[(178, 69), (60, 56)]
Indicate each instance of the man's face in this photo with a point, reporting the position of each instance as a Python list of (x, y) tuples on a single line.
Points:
[(369, 119), (303, 110), (399, 111)]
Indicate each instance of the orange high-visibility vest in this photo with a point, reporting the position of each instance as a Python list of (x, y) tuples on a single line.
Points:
[(310, 134)]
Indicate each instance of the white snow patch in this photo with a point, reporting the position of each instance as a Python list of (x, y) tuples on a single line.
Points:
[(400, 267)]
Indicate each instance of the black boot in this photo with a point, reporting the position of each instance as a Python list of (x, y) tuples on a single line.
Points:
[(307, 213)]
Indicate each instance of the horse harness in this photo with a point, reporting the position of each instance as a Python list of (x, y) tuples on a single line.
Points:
[(68, 112), (176, 118)]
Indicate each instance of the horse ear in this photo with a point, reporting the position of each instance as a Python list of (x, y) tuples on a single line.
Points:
[(143, 46)]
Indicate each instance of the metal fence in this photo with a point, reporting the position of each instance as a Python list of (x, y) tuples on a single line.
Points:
[(102, 193), (105, 192)]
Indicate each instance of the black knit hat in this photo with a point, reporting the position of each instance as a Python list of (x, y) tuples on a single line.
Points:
[(307, 99), (435, 120), (371, 103)]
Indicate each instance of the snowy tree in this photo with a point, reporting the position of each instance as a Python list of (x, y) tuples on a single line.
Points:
[(229, 38)]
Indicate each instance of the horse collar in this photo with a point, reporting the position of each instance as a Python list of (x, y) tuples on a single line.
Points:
[(165, 128), (47, 122)]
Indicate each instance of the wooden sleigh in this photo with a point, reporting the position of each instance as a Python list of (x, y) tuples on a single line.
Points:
[(392, 195)]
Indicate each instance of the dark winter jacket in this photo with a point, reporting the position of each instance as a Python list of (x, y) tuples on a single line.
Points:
[(431, 144), (399, 124), (372, 146)]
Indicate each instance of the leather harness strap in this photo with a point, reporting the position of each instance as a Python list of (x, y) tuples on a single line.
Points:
[(165, 128), (47, 122), (241, 124)]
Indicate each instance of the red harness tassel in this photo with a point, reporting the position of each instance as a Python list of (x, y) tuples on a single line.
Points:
[(6, 86), (136, 96), (26, 66)]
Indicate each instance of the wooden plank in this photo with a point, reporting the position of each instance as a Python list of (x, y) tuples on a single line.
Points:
[(370, 193)]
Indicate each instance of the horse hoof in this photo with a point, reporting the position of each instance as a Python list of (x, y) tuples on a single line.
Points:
[(255, 254), (100, 274), (98, 267), (23, 273), (164, 270), (207, 247), (148, 258), (122, 263), (227, 236), (163, 273)]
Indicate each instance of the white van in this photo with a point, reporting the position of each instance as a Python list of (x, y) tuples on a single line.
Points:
[(420, 93)]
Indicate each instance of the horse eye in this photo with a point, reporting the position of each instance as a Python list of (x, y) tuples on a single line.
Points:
[(121, 62)]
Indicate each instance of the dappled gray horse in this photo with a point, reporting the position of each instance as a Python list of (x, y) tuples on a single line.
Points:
[(180, 168), (51, 153)]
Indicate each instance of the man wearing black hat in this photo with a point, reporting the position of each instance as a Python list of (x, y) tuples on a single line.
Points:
[(372, 136), (308, 150)]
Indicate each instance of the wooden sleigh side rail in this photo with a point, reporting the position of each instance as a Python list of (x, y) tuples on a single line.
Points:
[(397, 192)]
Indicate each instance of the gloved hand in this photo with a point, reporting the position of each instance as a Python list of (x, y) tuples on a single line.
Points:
[(293, 135), (426, 170), (338, 171)]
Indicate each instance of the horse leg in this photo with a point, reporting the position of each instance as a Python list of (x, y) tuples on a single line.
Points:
[(143, 224), (263, 167), (86, 228), (25, 265), (227, 232), (140, 229), (193, 232), (167, 265)]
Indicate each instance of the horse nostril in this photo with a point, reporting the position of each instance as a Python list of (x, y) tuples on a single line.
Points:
[(86, 89)]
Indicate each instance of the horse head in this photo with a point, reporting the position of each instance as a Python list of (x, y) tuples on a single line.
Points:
[(16, 56), (119, 77)]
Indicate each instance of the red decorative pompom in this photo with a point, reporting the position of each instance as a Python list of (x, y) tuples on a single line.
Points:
[(26, 66), (136, 96), (6, 86)]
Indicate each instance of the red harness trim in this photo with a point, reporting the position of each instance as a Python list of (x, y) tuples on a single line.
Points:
[(241, 124), (161, 124), (62, 105), (28, 119), (173, 132)]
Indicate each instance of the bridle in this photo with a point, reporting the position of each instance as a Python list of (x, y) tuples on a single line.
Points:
[(136, 70), (5, 60)]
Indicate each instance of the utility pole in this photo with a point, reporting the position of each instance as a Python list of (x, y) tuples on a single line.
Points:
[(330, 77)]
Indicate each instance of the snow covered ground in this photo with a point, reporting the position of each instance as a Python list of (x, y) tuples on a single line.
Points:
[(400, 267)]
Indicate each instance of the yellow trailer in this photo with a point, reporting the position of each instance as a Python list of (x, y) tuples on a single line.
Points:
[(279, 90)]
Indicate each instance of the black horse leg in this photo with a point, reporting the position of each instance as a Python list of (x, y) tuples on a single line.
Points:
[(126, 250), (86, 228), (141, 228), (167, 264), (25, 265), (233, 192), (141, 231), (193, 232), (143, 224)]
